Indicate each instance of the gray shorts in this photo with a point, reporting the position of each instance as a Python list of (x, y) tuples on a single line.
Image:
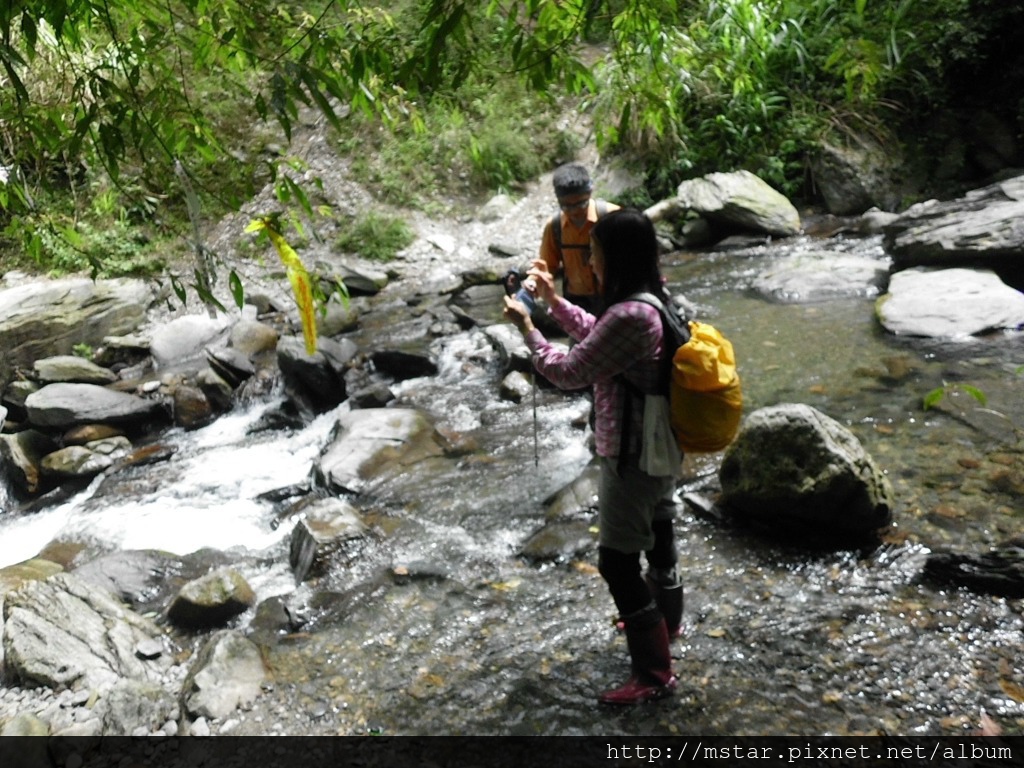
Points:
[(628, 501)]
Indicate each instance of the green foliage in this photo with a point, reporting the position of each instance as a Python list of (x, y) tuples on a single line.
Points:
[(104, 101), (83, 350), (485, 136), (938, 394), (375, 236)]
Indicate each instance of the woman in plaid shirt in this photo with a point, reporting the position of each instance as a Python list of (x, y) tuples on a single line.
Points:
[(635, 509)]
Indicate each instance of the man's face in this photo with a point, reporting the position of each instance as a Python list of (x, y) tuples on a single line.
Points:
[(575, 206)]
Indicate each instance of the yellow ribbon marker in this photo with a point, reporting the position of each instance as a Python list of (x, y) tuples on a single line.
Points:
[(298, 276)]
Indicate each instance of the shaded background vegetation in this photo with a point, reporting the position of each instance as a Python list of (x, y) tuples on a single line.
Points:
[(123, 126)]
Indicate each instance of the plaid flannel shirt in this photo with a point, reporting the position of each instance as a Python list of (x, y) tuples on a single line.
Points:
[(626, 339)]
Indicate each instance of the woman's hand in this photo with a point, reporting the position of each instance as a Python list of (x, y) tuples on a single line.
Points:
[(545, 282), (517, 314)]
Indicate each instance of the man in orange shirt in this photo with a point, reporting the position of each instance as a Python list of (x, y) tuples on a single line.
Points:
[(565, 245)]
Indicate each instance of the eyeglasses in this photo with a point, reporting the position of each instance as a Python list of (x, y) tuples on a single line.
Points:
[(574, 206)]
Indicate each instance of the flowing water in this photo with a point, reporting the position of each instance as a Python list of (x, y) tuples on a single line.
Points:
[(778, 640)]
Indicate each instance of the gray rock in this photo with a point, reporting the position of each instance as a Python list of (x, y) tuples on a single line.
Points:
[(320, 377), (20, 457), (515, 387), (984, 228), (736, 202), (74, 461), (511, 349), (227, 674), (25, 724), (819, 276), (192, 409), (60, 406), (66, 633), (250, 337), (367, 445), (71, 368), (325, 526), (793, 470), (38, 320), (402, 364), (212, 600), (579, 496), (186, 338), (855, 176), (134, 705), (559, 541), (949, 303)]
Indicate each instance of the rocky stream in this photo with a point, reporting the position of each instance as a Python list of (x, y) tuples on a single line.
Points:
[(403, 543)]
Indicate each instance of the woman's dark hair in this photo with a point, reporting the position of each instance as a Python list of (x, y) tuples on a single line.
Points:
[(630, 247)]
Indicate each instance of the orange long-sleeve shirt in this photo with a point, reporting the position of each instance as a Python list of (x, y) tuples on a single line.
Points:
[(571, 258)]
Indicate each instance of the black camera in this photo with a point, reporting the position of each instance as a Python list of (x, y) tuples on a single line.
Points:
[(513, 283)]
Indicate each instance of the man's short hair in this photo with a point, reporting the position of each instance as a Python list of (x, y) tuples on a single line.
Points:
[(571, 179)]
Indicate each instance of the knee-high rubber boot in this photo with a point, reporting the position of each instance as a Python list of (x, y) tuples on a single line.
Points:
[(650, 660), (667, 591)]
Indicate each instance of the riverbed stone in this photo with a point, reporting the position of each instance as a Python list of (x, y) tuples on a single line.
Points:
[(227, 674), (325, 526), (857, 175), (20, 457), (212, 600), (186, 338), (319, 379), (71, 368), (512, 350), (61, 406), (794, 471), (369, 444), (515, 387), (949, 303), (75, 461), (130, 705), (62, 632), (815, 276)]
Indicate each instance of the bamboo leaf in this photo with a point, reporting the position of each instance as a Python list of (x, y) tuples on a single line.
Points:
[(934, 397), (237, 289), (976, 393)]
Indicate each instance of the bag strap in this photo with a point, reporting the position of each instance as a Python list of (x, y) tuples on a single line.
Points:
[(633, 392), (600, 207)]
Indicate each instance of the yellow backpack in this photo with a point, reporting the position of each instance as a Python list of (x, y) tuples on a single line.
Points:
[(705, 397)]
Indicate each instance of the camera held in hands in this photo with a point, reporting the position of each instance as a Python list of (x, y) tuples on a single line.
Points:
[(515, 284)]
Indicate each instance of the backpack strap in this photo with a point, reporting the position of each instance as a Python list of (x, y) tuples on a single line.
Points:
[(674, 333), (600, 207)]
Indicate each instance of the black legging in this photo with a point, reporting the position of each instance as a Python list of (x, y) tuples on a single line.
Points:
[(621, 570)]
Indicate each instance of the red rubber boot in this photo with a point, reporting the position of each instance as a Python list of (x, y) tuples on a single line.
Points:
[(651, 661)]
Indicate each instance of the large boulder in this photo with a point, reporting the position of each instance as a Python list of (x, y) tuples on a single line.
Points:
[(949, 303), (64, 633), (733, 202), (855, 176), (42, 319), (984, 228), (793, 470)]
